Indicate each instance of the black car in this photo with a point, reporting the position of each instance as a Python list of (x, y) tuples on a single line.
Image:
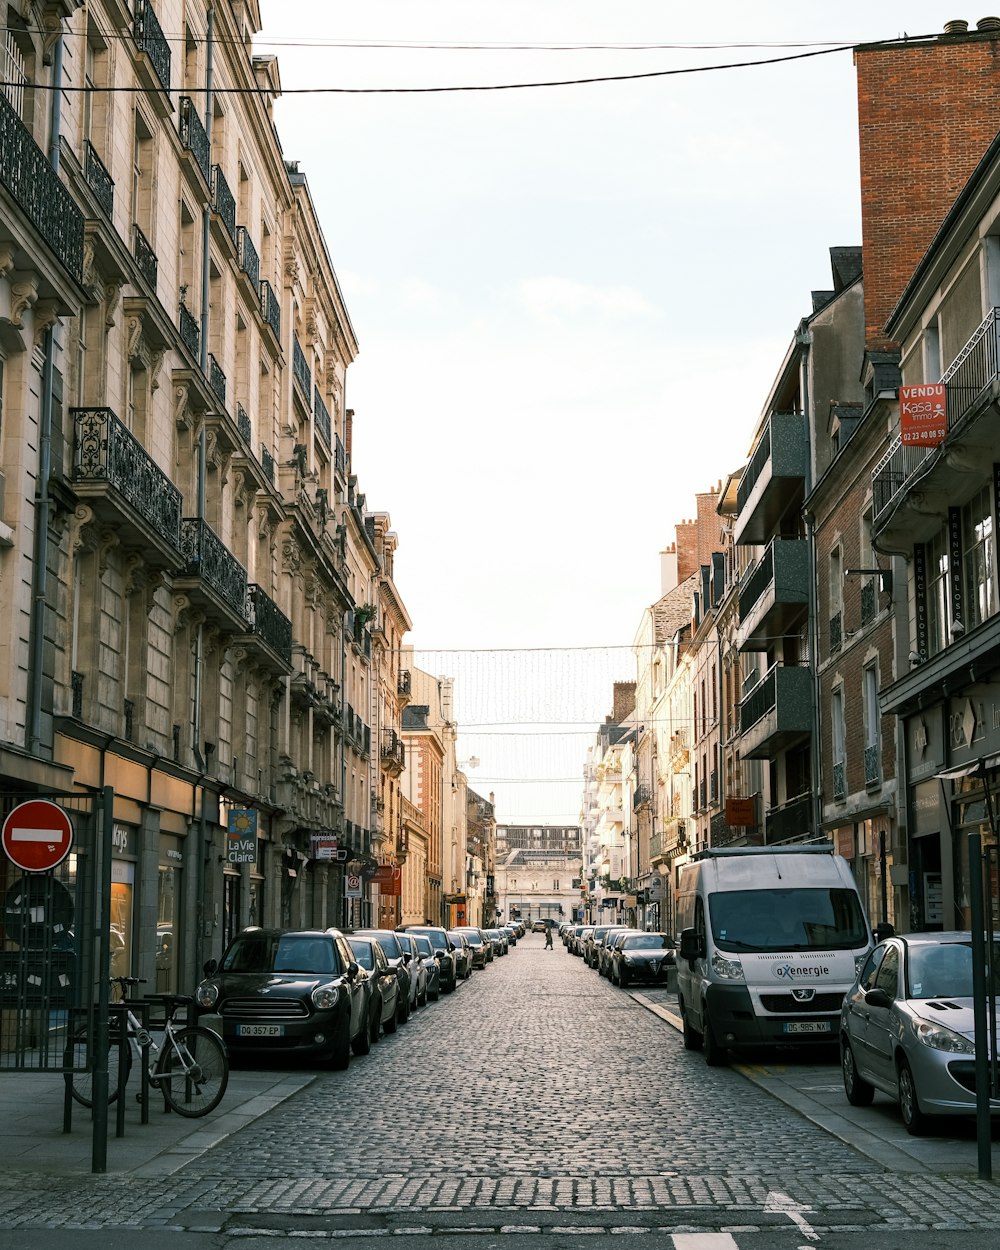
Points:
[(290, 992), (642, 957), (463, 953), (443, 952), (399, 961), (385, 980)]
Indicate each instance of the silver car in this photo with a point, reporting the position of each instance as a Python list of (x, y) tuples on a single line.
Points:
[(906, 1028)]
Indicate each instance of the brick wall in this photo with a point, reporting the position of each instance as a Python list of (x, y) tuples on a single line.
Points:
[(927, 112), (697, 539)]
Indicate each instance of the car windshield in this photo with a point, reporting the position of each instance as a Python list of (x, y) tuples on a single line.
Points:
[(647, 942), (363, 953), (285, 952), (390, 945), (787, 920), (940, 971), (437, 940)]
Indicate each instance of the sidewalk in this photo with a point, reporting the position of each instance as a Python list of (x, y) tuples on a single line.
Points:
[(33, 1141), (813, 1087)]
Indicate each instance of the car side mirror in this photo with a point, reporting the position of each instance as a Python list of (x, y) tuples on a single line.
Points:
[(407, 957), (211, 967), (877, 997), (353, 968), (883, 931), (692, 945)]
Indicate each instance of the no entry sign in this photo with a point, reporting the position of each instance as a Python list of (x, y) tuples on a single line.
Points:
[(37, 835)]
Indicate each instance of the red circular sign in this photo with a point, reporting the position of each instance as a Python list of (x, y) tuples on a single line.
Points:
[(37, 835)]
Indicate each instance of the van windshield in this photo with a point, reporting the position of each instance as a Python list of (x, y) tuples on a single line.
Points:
[(787, 920)]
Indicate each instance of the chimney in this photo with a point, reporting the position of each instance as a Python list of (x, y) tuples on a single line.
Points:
[(956, 27), (988, 24), (927, 112)]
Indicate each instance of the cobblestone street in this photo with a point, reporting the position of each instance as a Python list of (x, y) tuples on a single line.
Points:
[(535, 1093)]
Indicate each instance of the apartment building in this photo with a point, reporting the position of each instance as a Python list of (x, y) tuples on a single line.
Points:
[(192, 584)]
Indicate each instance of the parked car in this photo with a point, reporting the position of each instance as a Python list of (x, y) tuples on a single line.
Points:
[(416, 969), (511, 934), (607, 949), (577, 942), (598, 942), (463, 953), (588, 940), (907, 1029), (642, 957), (385, 981), (539, 926), (478, 945), (498, 939), (399, 963), (425, 953), (442, 952), (290, 992)]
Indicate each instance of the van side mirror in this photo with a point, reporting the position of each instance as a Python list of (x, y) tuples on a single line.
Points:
[(883, 931), (692, 945)]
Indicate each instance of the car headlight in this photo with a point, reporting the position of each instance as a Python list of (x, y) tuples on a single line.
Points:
[(207, 995), (325, 996), (939, 1038), (727, 969)]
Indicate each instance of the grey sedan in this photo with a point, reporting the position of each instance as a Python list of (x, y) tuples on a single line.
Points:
[(906, 1028)]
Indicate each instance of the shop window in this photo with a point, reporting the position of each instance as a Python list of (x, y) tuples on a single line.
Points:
[(167, 929), (979, 563), (937, 592)]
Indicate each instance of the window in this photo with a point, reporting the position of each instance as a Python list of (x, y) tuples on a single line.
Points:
[(837, 743), (937, 592), (15, 72), (555, 885), (872, 727), (932, 351), (142, 175), (979, 562)]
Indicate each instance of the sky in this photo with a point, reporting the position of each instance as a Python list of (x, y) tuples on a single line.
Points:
[(570, 303)]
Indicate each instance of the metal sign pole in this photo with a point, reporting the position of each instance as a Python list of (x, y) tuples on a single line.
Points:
[(99, 1155), (979, 1006)]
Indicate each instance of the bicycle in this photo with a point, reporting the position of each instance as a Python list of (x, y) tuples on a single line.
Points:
[(190, 1065)]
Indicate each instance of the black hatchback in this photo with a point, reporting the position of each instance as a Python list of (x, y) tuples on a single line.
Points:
[(289, 993)]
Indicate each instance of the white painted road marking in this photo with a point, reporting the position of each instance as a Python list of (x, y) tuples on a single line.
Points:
[(704, 1241), (781, 1204)]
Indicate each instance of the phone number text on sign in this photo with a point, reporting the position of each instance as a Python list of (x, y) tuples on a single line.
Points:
[(923, 414)]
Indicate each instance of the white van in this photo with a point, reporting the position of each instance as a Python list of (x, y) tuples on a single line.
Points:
[(771, 939)]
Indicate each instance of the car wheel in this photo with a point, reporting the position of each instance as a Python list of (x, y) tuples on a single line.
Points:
[(909, 1105), (715, 1054), (340, 1056), (362, 1044), (623, 978), (859, 1092), (391, 1023), (692, 1038)]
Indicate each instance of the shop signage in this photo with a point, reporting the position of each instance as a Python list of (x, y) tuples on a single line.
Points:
[(920, 599), (37, 835), (955, 554), (241, 836), (324, 848), (741, 812), (923, 414), (352, 885)]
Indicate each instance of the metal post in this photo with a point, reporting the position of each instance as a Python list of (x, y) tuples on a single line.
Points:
[(978, 927), (99, 1149)]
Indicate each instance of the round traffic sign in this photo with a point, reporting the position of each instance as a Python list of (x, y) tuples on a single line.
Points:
[(37, 835)]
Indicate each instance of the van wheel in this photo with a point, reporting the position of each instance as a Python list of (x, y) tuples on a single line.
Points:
[(715, 1055), (692, 1038)]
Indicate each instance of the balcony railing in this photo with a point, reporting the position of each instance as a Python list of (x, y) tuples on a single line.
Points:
[(243, 423), (145, 257), (216, 379), (300, 368), (149, 38), (268, 622), (869, 601), (873, 765), (840, 779), (246, 256), (98, 179), (774, 479), (642, 796), (36, 187), (104, 450), (190, 331), (836, 632), (195, 138), (973, 371), (270, 309), (755, 466), (339, 456), (223, 201), (322, 415), (209, 559), (404, 682), (790, 821), (267, 463)]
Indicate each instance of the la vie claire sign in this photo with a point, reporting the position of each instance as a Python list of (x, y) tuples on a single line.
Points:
[(923, 414)]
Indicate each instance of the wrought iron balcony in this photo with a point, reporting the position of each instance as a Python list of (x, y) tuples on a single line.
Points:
[(38, 191), (392, 752), (777, 712), (190, 331), (836, 632), (773, 482), (774, 596), (873, 764), (142, 499), (223, 201), (790, 821), (194, 137), (246, 256), (339, 457), (322, 416), (149, 38), (270, 308), (840, 779), (216, 379), (269, 623), (300, 369), (642, 796), (404, 683), (267, 463), (243, 423), (145, 257), (211, 561), (869, 601), (971, 378), (98, 179)]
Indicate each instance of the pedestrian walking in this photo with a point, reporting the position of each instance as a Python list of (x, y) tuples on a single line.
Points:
[(548, 937)]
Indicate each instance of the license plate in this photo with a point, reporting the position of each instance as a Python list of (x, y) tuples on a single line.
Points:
[(260, 1030), (808, 1026)]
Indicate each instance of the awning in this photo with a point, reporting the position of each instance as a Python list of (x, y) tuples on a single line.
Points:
[(982, 765)]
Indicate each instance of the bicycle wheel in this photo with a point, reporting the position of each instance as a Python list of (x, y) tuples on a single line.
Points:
[(78, 1058), (193, 1071)]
